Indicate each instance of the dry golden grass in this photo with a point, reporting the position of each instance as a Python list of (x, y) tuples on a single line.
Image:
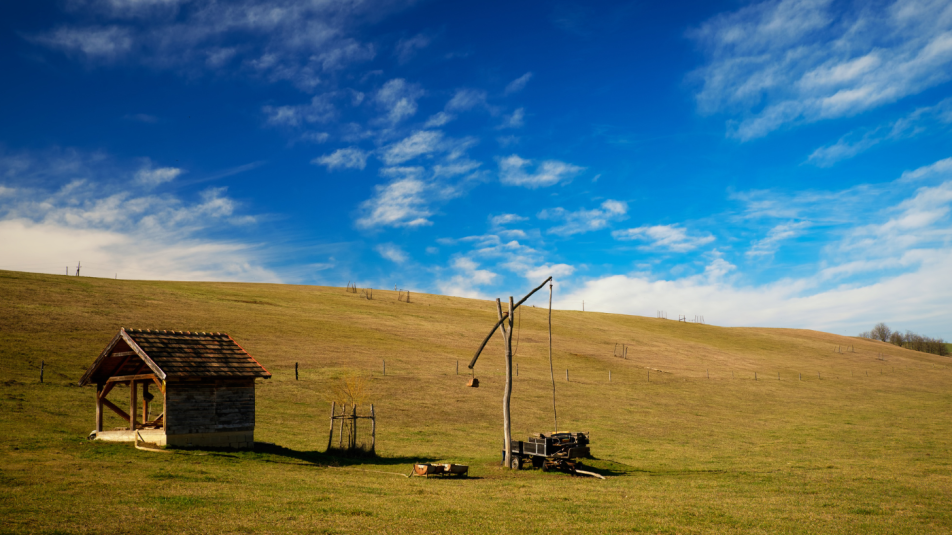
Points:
[(863, 448)]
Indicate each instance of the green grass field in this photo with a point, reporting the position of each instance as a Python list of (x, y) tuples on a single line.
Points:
[(840, 443)]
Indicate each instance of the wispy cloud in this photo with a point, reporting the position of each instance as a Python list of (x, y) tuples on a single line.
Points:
[(514, 171), (664, 237), (304, 43), (392, 253), (783, 62), (861, 140), (466, 99), (347, 158), (518, 84), (515, 120), (769, 244), (405, 49), (412, 146), (398, 99), (939, 168), (505, 219), (132, 233), (319, 110), (151, 177), (585, 220), (401, 203)]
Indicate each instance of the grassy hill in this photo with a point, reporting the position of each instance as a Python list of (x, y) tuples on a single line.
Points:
[(820, 442)]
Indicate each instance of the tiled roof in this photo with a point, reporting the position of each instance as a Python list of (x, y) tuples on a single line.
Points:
[(196, 354)]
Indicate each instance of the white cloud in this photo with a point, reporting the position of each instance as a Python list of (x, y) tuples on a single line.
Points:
[(783, 62), (417, 144), (134, 235), (401, 203), (438, 119), (585, 220), (149, 177), (664, 237), (466, 99), (319, 110), (505, 219), (392, 253), (939, 168), (784, 231), (556, 271), (516, 120), (859, 141), (315, 137), (99, 43), (518, 84), (513, 172), (347, 158), (280, 40), (789, 303), (468, 276), (405, 49), (398, 98)]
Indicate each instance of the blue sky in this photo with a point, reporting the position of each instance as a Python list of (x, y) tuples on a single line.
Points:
[(766, 163)]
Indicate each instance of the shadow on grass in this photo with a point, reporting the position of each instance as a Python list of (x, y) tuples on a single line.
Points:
[(337, 459), (607, 468)]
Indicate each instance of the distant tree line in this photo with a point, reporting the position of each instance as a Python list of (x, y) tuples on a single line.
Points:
[(910, 340)]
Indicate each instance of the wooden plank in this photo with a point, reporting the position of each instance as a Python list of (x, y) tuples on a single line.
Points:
[(472, 363), (123, 354), (132, 405), (106, 390), (127, 378), (102, 356), (142, 354), (122, 414), (99, 389), (145, 403)]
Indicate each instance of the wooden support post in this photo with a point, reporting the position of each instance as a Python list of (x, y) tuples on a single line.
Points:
[(165, 407), (132, 405), (295, 371), (98, 408), (42, 367), (353, 428), (373, 429), (145, 402), (340, 441), (330, 436), (566, 375)]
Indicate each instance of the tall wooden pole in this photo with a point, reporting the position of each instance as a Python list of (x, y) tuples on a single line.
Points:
[(507, 394), (555, 414)]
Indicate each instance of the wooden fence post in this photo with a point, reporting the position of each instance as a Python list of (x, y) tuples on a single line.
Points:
[(42, 367), (373, 430), (295, 371), (330, 437), (340, 439)]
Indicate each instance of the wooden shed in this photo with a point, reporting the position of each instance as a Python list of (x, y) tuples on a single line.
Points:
[(204, 388)]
